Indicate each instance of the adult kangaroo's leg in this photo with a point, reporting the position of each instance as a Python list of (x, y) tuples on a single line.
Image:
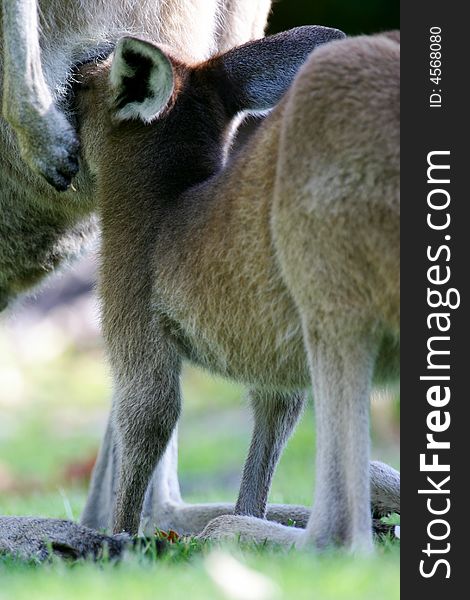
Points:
[(97, 513), (335, 224), (47, 140)]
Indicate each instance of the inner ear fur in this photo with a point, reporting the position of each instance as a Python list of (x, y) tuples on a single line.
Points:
[(142, 80)]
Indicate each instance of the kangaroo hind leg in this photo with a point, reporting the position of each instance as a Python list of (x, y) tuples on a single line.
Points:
[(342, 366)]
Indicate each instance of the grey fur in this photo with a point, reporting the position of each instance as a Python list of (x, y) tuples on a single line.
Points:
[(249, 300), (385, 489), (275, 416), (33, 538), (46, 138), (164, 508), (43, 39), (40, 229)]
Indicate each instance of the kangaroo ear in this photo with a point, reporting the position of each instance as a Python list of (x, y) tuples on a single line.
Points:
[(256, 75), (142, 80)]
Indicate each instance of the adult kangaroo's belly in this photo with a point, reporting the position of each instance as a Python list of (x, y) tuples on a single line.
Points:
[(39, 228)]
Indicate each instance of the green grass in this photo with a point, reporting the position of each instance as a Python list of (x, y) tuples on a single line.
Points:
[(182, 573), (57, 417)]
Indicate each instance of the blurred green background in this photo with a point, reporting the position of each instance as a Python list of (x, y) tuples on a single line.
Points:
[(54, 400)]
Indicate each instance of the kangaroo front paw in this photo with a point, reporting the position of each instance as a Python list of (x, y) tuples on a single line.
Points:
[(49, 145)]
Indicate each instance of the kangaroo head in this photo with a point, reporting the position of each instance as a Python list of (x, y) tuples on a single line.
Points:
[(147, 103)]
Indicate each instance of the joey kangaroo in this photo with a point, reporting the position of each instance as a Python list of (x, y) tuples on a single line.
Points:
[(277, 269)]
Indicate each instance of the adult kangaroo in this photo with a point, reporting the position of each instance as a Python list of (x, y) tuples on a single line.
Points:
[(278, 269)]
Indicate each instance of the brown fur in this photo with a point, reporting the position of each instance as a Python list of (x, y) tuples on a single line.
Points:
[(41, 230), (281, 266)]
